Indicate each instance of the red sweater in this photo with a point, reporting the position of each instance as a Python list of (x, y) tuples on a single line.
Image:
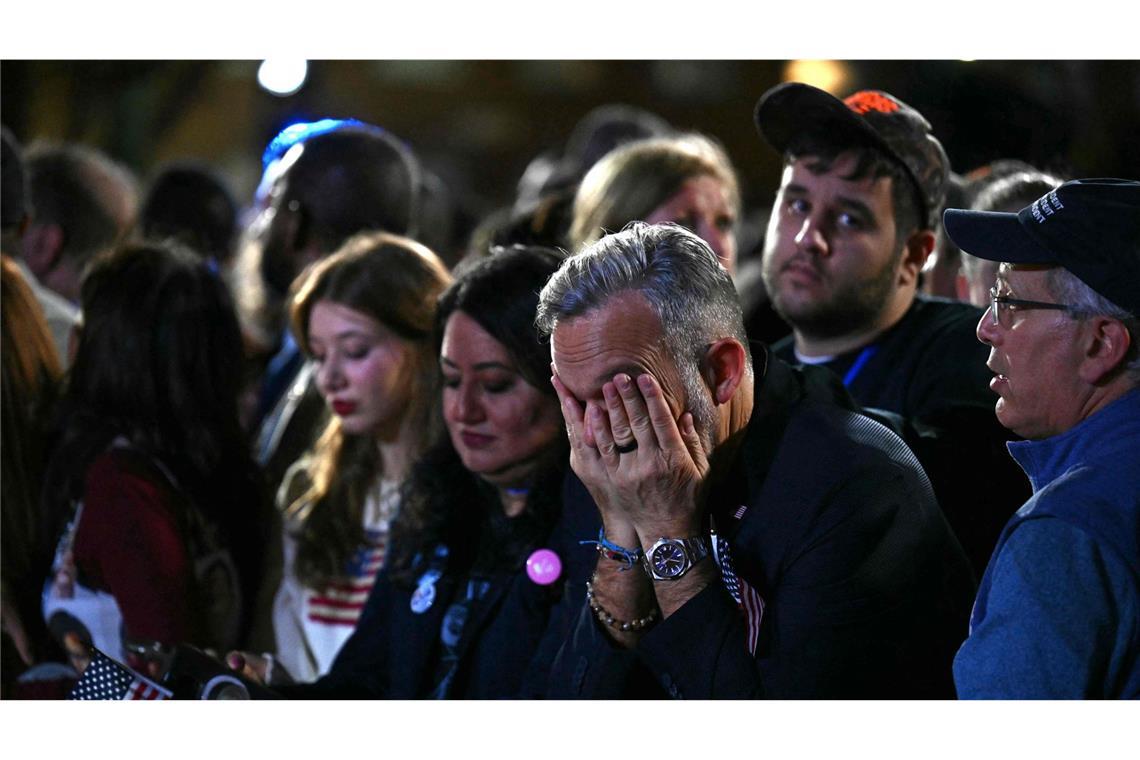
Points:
[(131, 543)]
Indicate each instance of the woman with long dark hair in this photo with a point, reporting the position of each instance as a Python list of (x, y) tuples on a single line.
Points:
[(151, 495), (472, 580)]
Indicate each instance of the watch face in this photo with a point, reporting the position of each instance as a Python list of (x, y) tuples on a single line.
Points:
[(669, 560)]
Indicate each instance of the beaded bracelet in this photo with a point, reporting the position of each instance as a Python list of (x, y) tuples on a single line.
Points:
[(628, 557), (604, 616)]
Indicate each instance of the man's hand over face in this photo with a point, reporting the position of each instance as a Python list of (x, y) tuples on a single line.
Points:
[(641, 465)]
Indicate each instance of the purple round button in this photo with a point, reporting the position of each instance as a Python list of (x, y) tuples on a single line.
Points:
[(543, 567)]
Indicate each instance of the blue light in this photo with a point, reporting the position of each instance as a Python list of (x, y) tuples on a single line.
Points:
[(299, 132)]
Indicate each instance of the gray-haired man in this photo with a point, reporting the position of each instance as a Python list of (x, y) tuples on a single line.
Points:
[(1058, 610), (831, 572)]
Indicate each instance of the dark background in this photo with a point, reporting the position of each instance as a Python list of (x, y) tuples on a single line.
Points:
[(477, 124)]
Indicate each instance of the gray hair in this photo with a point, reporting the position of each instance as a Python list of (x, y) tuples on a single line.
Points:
[(1009, 194), (1069, 289), (677, 274)]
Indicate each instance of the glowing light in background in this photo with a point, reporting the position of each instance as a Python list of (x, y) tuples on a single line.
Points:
[(283, 76), (826, 75)]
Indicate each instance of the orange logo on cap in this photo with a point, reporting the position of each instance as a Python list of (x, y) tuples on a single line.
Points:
[(862, 102)]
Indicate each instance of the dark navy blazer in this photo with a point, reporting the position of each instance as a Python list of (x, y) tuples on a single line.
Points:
[(394, 652), (867, 592)]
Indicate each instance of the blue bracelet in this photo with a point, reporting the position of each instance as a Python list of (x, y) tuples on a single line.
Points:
[(610, 550)]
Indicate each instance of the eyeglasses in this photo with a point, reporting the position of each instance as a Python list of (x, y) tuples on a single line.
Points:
[(1000, 306)]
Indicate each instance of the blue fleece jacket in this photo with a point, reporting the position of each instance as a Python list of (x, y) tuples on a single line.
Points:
[(1057, 614)]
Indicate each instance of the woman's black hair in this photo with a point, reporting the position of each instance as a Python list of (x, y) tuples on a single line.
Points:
[(159, 363), (500, 292), (443, 502)]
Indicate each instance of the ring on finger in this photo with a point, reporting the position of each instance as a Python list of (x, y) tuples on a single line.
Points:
[(625, 448)]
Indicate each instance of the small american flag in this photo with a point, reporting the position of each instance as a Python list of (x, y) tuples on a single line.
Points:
[(751, 604), (106, 679), (341, 602)]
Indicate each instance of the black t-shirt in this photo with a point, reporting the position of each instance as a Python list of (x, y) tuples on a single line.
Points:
[(930, 369), (929, 362)]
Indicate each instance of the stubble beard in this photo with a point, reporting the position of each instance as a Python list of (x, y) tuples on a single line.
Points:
[(847, 308), (701, 406)]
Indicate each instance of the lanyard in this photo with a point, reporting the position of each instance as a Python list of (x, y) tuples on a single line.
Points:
[(860, 361)]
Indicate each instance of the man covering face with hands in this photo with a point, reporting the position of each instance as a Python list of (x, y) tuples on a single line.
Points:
[(760, 536)]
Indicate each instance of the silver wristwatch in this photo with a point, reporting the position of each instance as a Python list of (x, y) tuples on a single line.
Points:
[(670, 558)]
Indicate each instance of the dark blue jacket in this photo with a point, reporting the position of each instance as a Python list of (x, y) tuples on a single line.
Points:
[(394, 652)]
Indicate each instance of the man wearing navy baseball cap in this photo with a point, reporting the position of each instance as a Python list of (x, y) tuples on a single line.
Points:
[(1058, 611)]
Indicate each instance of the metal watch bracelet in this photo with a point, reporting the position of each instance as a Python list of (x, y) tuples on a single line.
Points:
[(668, 559)]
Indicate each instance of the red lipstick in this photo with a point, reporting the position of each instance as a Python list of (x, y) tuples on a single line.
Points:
[(343, 408), (475, 440)]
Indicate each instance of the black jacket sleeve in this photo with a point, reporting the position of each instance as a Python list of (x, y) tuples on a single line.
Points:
[(852, 610)]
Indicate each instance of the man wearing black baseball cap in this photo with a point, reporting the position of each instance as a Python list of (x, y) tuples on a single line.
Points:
[(853, 222), (1058, 610)]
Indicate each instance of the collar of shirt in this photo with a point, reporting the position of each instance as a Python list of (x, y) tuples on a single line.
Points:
[(1099, 438)]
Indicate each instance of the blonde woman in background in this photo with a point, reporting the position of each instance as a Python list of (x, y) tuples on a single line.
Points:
[(686, 179)]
